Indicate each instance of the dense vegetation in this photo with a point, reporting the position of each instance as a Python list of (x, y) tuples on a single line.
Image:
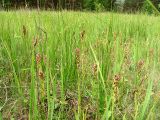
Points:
[(79, 65), (83, 66)]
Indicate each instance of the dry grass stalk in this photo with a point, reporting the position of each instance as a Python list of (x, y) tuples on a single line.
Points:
[(77, 58), (95, 70), (127, 54), (115, 36), (116, 80), (35, 42)]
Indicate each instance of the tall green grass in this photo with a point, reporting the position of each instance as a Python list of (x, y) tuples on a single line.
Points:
[(83, 66)]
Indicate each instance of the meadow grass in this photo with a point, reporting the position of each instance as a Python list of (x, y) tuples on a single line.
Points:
[(75, 65)]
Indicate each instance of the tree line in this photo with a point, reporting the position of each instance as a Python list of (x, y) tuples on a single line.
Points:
[(128, 5)]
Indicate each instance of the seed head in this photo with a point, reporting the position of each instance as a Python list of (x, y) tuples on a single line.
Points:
[(41, 74), (78, 57), (140, 64), (95, 70), (38, 58), (82, 34), (117, 78)]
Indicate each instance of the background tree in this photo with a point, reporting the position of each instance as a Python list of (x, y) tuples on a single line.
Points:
[(110, 4), (133, 5), (129, 5), (106, 4)]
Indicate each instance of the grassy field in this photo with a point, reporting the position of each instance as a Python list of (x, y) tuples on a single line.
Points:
[(79, 66)]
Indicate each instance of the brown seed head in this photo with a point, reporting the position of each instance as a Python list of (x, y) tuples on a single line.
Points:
[(41, 74), (38, 58), (95, 70), (78, 57), (82, 34), (140, 64), (117, 77)]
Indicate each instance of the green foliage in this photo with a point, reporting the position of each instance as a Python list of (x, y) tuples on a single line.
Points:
[(150, 7), (147, 8), (99, 5), (89, 4)]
